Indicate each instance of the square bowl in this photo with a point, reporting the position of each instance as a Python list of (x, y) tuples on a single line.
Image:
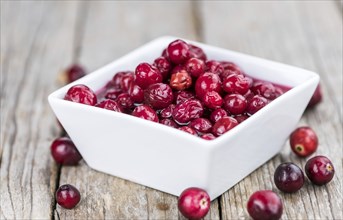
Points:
[(171, 160)]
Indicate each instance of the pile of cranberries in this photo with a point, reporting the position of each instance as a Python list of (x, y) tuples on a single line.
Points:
[(184, 90)]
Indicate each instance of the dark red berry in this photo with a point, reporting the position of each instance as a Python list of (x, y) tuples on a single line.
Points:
[(180, 80), (136, 93), (235, 104), (212, 100), (67, 196), (178, 68), (64, 151), (188, 130), (169, 122), (125, 101), (113, 93), (196, 52), (241, 118), (316, 97), (75, 72), (249, 95), (158, 95), (126, 81), (187, 111), (167, 112), (223, 125), (231, 67), (288, 177), (110, 105), (214, 67), (194, 203), (319, 170), (265, 89), (201, 125), (81, 94), (236, 84), (303, 141), (195, 67), (207, 82), (256, 103), (208, 136), (117, 78), (145, 112), (265, 205), (182, 96), (178, 52), (164, 66), (146, 74), (217, 114)]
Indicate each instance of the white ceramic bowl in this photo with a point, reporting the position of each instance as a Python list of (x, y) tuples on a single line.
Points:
[(170, 160)]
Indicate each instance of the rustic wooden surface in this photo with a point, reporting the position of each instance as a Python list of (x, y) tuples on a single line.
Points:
[(39, 39)]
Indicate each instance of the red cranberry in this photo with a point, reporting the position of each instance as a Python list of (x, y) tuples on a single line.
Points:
[(188, 130), (256, 103), (303, 141), (167, 112), (235, 104), (241, 118), (207, 82), (265, 205), (182, 96), (67, 196), (164, 53), (236, 84), (136, 93), (110, 105), (201, 125), (194, 203), (125, 101), (214, 67), (265, 89), (126, 81), (217, 114), (75, 72), (195, 67), (180, 80), (163, 65), (145, 112), (81, 94), (113, 93), (212, 100), (316, 97), (208, 136), (187, 111), (319, 170), (223, 125), (158, 95), (232, 67), (64, 151), (196, 52), (117, 78), (178, 52), (145, 75), (288, 177), (177, 69), (169, 122), (249, 95)]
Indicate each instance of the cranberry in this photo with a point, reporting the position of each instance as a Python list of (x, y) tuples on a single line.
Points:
[(110, 105), (265, 89), (231, 67), (214, 67), (212, 100), (236, 84), (64, 151), (169, 122), (178, 52), (241, 118), (145, 75), (288, 177), (265, 205), (195, 67), (249, 95), (256, 103), (167, 112), (223, 125), (145, 112), (235, 104), (319, 170), (136, 93), (163, 65), (207, 82), (158, 95), (180, 80), (81, 94), (182, 96), (197, 52), (67, 196), (117, 78), (113, 93), (208, 136), (164, 53), (75, 72), (188, 130), (177, 69), (303, 141), (316, 97), (201, 125), (217, 114), (194, 203), (125, 101), (126, 81), (187, 111)]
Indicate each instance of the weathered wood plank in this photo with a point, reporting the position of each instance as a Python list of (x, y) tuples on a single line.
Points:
[(301, 34), (30, 60), (111, 30)]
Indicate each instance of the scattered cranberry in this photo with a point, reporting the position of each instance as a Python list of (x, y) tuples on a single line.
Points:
[(235, 104), (75, 72), (110, 105), (208, 136), (117, 78), (81, 94), (167, 112), (194, 203), (214, 67), (158, 95), (180, 80), (187, 111), (223, 125), (212, 100), (236, 84), (288, 177), (319, 170), (256, 103), (136, 93), (265, 205), (201, 125), (113, 93), (125, 101), (195, 67), (218, 114), (64, 151), (188, 130), (182, 96), (169, 122), (196, 52), (145, 75), (178, 51), (67, 196), (316, 97), (303, 141), (207, 82), (163, 65), (145, 112)]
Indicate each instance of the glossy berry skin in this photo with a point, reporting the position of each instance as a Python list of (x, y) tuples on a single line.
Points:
[(158, 95), (195, 67), (212, 100), (316, 97), (169, 122), (241, 118), (208, 136), (167, 112), (231, 66), (163, 65), (125, 101), (265, 205), (235, 104), (67, 196), (81, 94), (207, 82), (265, 89), (182, 96), (118, 77), (288, 177), (236, 84), (64, 151), (319, 170), (214, 67), (75, 72), (110, 105), (145, 112), (178, 52), (180, 80), (146, 74), (194, 203), (188, 130), (112, 93), (187, 111), (303, 141), (196, 52), (201, 125), (223, 125), (217, 114), (136, 93), (256, 103)]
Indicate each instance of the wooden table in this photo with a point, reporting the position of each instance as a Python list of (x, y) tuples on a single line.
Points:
[(39, 39)]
